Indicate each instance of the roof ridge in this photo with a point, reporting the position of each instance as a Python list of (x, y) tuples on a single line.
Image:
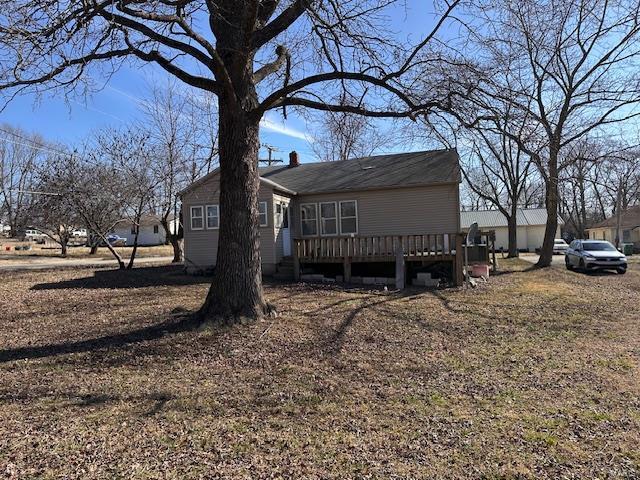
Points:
[(355, 159)]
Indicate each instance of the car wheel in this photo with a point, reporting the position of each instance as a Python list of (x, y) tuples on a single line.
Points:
[(568, 263), (621, 271)]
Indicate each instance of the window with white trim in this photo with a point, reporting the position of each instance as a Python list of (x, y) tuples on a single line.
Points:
[(262, 214), (348, 217), (197, 220), (213, 217), (328, 218), (309, 219)]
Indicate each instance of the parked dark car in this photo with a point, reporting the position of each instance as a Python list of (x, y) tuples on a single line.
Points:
[(595, 255), (116, 241)]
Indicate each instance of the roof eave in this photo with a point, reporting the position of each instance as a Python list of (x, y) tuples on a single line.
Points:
[(383, 187), (277, 186)]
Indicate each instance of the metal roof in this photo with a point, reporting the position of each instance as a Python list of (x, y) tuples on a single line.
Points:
[(495, 218), (380, 171)]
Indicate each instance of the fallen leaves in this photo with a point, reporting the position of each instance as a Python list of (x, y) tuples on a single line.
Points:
[(522, 378)]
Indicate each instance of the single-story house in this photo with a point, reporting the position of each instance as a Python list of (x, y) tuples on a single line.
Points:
[(629, 225), (531, 224), (399, 194), (151, 230)]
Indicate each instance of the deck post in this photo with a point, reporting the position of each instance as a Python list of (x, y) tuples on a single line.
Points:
[(296, 262), (458, 266), (346, 264), (400, 271), (346, 259)]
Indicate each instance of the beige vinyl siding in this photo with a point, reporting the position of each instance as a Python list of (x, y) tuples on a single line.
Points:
[(609, 234), (279, 248), (396, 211), (201, 246), (601, 234)]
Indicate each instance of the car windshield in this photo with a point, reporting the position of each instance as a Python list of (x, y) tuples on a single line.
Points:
[(599, 247)]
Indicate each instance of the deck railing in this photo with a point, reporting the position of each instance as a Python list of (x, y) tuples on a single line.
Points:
[(375, 247)]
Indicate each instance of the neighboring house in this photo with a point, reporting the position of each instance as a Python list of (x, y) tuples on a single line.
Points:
[(629, 226), (151, 231), (531, 224), (400, 194)]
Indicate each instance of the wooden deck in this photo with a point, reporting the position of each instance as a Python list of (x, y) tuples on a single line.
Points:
[(426, 248)]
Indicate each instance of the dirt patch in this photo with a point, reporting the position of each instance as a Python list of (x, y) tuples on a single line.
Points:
[(100, 377)]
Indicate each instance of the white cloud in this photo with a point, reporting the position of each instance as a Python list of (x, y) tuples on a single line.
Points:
[(267, 123), (280, 127)]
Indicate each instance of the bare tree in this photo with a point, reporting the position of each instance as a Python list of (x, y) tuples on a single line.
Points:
[(601, 178), (342, 136), (499, 170), (570, 66), (51, 211), (255, 56), (132, 159), (92, 191), (181, 131), (21, 154)]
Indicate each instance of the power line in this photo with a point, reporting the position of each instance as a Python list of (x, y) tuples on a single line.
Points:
[(270, 160), (36, 146)]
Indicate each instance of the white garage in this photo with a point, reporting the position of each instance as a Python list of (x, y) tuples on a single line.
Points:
[(151, 230), (530, 231)]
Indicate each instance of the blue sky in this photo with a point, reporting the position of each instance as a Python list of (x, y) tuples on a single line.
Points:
[(72, 119)]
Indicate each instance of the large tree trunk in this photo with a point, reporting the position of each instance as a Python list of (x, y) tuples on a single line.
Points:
[(236, 290), (512, 225), (177, 251), (134, 250), (551, 198), (171, 238)]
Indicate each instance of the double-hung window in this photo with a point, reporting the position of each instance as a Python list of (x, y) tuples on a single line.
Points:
[(328, 218), (309, 219), (262, 214), (213, 216), (197, 220), (348, 217)]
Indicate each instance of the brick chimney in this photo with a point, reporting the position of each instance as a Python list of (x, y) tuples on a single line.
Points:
[(293, 159)]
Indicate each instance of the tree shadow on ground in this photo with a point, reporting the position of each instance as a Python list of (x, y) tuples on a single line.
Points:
[(172, 326), (166, 275), (532, 268), (596, 273)]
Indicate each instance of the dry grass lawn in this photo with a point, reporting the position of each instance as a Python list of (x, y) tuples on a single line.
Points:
[(532, 376), (53, 250)]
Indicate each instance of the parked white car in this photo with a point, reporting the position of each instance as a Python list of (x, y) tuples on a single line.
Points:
[(31, 235), (560, 246), (594, 255)]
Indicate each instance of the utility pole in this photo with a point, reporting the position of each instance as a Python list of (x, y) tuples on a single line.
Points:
[(269, 161), (618, 214)]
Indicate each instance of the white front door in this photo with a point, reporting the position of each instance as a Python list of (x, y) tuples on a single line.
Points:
[(286, 231)]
